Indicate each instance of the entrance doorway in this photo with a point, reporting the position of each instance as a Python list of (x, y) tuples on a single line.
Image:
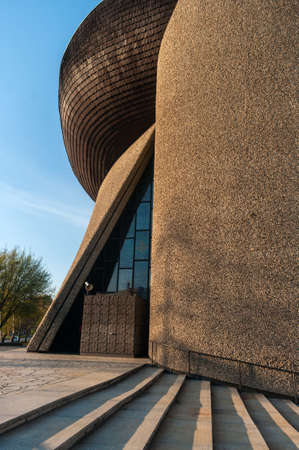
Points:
[(123, 265)]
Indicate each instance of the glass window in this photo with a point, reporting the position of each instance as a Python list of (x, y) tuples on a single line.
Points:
[(142, 245), (127, 228), (111, 250), (124, 279), (97, 277), (116, 233), (140, 275), (125, 258), (131, 231), (147, 194), (112, 285), (143, 216), (126, 253)]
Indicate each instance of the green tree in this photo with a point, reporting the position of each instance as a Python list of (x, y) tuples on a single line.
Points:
[(23, 323), (23, 281)]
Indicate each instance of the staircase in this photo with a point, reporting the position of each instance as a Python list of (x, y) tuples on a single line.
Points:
[(146, 407)]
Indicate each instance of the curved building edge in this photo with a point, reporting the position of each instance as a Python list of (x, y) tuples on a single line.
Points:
[(224, 224)]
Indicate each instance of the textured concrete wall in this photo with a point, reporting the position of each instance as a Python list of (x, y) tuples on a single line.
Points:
[(224, 218), (111, 201), (107, 84)]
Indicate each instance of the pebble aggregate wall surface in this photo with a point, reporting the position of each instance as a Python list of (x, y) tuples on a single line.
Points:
[(224, 224)]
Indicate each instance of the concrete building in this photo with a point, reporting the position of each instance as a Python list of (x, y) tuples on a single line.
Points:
[(178, 120)]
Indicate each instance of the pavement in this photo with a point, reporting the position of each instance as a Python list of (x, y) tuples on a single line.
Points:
[(55, 401), (21, 371)]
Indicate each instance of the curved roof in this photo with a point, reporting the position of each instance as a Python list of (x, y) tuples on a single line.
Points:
[(107, 84)]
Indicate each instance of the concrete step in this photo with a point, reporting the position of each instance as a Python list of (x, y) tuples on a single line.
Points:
[(276, 430), (188, 424), (60, 424), (288, 410), (233, 427), (19, 408), (69, 436), (134, 425), (146, 431), (148, 408)]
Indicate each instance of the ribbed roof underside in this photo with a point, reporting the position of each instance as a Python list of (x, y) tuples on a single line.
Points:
[(108, 82)]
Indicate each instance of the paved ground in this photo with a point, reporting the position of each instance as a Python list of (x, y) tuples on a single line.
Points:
[(48, 399), (21, 371)]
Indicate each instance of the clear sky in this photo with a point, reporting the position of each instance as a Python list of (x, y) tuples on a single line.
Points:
[(43, 208)]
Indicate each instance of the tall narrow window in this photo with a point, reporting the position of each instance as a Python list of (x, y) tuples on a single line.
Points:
[(124, 262)]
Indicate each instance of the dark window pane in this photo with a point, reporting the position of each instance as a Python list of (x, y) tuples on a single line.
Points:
[(126, 253), (116, 233), (147, 194), (143, 216), (125, 221), (142, 245), (111, 250), (131, 231), (113, 280), (140, 275), (99, 261), (97, 278), (124, 279)]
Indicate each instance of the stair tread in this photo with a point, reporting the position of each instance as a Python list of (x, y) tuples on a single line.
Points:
[(169, 413), (147, 429), (31, 434), (232, 425), (288, 410), (189, 422), (276, 430), (68, 436), (119, 429), (26, 406)]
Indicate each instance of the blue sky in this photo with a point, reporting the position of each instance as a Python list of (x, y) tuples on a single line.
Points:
[(43, 208)]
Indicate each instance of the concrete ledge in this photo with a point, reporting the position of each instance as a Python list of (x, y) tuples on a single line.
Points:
[(241, 373)]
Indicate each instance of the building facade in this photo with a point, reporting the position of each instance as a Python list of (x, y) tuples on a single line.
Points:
[(178, 120)]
